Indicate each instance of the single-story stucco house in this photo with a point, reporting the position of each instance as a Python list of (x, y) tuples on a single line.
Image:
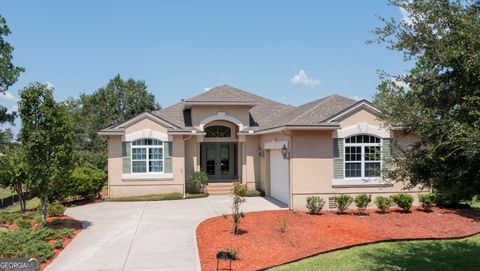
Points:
[(325, 147)]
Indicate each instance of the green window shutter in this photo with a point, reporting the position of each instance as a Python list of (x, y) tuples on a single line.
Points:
[(386, 150), (168, 152), (126, 157), (338, 158)]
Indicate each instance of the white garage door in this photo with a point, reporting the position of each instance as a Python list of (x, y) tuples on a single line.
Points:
[(278, 176)]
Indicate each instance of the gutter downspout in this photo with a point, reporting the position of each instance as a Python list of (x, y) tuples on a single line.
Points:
[(184, 181)]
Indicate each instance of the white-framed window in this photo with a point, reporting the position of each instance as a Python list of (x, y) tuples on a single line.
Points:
[(147, 156), (363, 157)]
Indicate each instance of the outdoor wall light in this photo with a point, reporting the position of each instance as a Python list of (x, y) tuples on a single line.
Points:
[(285, 152), (260, 151)]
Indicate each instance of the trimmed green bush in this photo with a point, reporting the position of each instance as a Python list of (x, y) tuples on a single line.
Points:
[(197, 182), (23, 224), (427, 201), (383, 203), (362, 201), (403, 201), (315, 204), (254, 193), (55, 210), (343, 201), (87, 182)]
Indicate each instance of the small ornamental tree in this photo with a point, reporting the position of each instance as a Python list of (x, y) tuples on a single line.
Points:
[(13, 174), (239, 191), (46, 136)]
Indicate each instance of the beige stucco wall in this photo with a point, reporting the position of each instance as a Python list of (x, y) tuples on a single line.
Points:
[(312, 165), (119, 187), (201, 112)]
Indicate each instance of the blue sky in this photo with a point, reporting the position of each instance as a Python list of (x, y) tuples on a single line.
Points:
[(290, 51)]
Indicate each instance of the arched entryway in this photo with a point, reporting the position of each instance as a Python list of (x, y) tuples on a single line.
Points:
[(219, 151)]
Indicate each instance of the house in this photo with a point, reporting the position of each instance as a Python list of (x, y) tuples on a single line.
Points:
[(325, 147)]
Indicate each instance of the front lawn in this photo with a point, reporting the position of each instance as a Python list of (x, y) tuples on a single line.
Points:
[(5, 192), (444, 255)]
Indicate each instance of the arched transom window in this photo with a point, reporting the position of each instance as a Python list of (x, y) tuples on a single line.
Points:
[(218, 131), (363, 156), (147, 156)]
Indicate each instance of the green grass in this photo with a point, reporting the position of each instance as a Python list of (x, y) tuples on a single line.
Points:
[(31, 204), (5, 192), (159, 197), (443, 255), (475, 203)]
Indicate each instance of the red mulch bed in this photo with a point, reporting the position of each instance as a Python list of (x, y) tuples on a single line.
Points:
[(77, 225), (262, 244)]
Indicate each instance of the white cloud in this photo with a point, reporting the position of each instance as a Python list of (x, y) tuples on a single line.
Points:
[(206, 89), (14, 108), (301, 78), (50, 85), (405, 15), (8, 96), (356, 98)]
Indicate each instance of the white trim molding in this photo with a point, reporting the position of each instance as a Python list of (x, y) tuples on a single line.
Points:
[(146, 133), (148, 115), (362, 128), (221, 116), (147, 176), (275, 144), (360, 182)]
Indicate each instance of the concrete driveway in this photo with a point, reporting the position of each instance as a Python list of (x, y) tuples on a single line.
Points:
[(155, 235)]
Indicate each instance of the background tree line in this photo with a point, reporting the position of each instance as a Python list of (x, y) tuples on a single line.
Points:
[(59, 154)]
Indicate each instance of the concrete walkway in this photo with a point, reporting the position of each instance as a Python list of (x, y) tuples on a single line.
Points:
[(155, 235)]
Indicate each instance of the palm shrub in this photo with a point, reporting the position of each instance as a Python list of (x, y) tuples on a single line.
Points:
[(362, 201), (383, 203), (343, 201), (197, 182), (427, 201), (403, 201), (315, 204)]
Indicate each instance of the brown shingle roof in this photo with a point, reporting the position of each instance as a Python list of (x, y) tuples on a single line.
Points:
[(264, 113)]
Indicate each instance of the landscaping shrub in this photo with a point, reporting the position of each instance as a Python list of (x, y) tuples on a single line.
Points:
[(23, 224), (362, 201), (427, 201), (58, 244), (197, 182), (239, 189), (55, 210), (87, 182), (23, 243), (383, 203), (315, 204), (403, 201), (343, 201), (254, 193)]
